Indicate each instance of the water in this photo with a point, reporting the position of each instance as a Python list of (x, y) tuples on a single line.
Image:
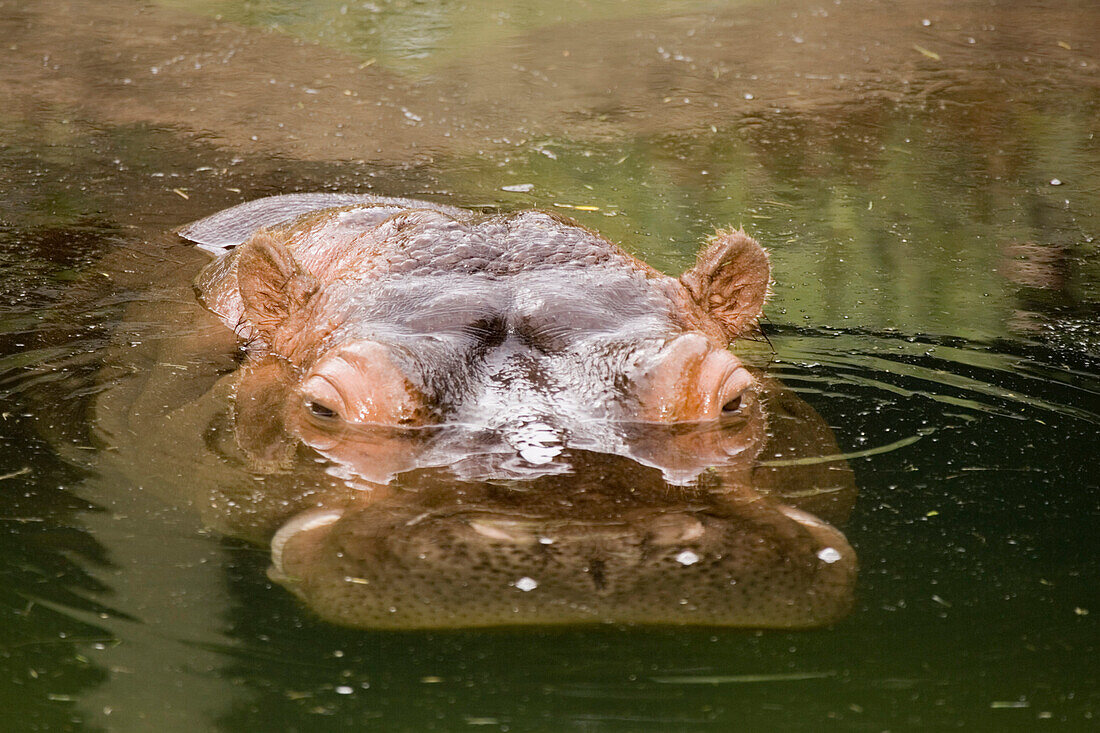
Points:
[(925, 176)]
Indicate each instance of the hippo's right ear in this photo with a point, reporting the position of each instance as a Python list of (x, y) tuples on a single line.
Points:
[(730, 281), (273, 284)]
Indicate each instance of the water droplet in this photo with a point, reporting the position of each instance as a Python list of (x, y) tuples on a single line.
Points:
[(1055, 182), (526, 584), (828, 555), (687, 557)]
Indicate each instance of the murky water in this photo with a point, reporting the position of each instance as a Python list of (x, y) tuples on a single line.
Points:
[(924, 174)]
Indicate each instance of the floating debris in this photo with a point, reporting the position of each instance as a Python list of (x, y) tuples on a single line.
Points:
[(577, 207), (925, 52)]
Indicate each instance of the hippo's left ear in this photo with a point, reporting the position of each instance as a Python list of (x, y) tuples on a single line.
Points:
[(730, 281), (273, 284)]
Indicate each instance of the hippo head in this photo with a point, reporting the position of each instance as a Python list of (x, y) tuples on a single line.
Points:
[(491, 344), (512, 403)]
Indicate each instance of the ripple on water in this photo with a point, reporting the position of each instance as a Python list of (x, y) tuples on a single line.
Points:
[(972, 377)]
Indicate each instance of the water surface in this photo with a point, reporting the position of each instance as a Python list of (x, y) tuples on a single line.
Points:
[(924, 175)]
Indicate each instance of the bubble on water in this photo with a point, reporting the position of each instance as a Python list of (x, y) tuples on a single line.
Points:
[(687, 557), (1055, 182), (343, 690), (526, 584), (519, 188), (828, 555)]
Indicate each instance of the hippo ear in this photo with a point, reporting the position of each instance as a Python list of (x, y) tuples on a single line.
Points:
[(273, 284), (730, 281)]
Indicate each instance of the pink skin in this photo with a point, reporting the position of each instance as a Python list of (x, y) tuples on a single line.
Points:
[(688, 380), (691, 380), (358, 383), (563, 341), (355, 406)]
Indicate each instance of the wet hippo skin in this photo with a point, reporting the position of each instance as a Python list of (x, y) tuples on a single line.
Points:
[(446, 419)]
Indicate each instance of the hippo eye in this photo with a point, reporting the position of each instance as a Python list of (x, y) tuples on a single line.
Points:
[(732, 406), (320, 410)]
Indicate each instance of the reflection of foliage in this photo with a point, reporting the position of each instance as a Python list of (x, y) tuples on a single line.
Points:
[(43, 551), (880, 216), (414, 36), (48, 239)]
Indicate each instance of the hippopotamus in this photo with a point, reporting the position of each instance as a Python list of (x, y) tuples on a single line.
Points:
[(439, 418)]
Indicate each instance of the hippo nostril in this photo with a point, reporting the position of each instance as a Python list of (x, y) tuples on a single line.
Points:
[(304, 522)]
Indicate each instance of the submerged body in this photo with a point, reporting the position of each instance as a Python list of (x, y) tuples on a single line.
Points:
[(446, 419)]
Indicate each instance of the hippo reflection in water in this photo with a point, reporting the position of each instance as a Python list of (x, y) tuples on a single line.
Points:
[(447, 419)]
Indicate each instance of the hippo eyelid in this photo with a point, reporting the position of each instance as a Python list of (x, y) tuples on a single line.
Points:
[(734, 384), (732, 405), (320, 410), (323, 399)]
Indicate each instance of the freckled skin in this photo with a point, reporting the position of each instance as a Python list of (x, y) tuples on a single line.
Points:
[(510, 396)]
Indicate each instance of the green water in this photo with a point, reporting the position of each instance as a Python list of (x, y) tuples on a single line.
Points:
[(925, 175)]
